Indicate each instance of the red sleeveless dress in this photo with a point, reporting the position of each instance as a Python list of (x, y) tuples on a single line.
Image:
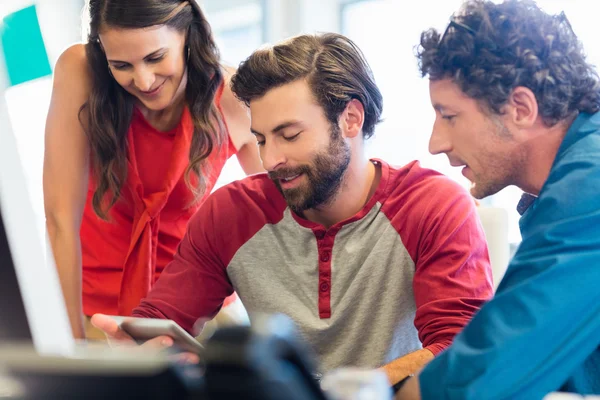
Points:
[(122, 258)]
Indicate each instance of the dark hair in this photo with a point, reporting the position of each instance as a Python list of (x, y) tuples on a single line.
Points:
[(110, 108), (489, 49), (333, 65)]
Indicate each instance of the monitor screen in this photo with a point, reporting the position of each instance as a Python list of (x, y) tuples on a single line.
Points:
[(31, 302), (13, 320)]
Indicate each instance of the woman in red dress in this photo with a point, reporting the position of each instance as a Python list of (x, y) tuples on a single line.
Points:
[(140, 124)]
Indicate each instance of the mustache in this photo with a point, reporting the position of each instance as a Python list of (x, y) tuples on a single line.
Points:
[(286, 172)]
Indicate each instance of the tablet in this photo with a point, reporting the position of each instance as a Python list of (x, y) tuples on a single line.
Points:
[(143, 329)]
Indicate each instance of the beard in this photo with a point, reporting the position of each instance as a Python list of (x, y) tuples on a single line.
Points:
[(325, 176), (482, 188), (502, 169)]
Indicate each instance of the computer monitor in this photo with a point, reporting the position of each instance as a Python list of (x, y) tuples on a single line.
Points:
[(31, 302), (13, 320)]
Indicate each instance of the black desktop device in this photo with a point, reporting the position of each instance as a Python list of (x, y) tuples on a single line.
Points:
[(13, 319), (265, 361)]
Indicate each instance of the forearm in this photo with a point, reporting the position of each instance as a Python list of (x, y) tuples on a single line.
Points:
[(182, 303), (406, 365), (410, 390), (185, 291), (66, 248), (146, 310)]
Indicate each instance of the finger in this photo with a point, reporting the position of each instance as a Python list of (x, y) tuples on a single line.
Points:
[(110, 328), (185, 358), (157, 343)]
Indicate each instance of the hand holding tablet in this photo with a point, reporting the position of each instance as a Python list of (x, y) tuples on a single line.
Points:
[(152, 332)]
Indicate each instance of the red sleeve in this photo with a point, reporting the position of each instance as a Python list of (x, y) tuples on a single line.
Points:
[(444, 237), (195, 284)]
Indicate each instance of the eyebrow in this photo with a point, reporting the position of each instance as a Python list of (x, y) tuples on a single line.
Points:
[(442, 109), (279, 127), (154, 53)]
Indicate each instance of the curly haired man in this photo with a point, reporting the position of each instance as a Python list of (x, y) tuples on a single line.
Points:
[(516, 103)]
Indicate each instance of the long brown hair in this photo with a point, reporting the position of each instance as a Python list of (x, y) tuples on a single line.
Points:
[(110, 108)]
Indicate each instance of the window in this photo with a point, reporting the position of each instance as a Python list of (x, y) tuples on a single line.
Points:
[(407, 114), (238, 30), (27, 95)]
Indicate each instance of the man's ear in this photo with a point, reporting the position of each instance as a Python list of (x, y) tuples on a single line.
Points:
[(522, 107), (352, 119)]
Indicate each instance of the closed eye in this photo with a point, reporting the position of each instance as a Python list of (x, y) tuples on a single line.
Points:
[(121, 67), (260, 139), (292, 138), (155, 59)]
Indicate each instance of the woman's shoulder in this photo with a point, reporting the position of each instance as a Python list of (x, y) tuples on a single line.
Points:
[(73, 66), (236, 113), (233, 109), (227, 99)]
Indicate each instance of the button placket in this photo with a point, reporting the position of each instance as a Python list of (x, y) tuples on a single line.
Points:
[(324, 248)]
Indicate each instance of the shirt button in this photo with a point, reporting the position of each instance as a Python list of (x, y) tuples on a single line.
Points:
[(324, 287), (320, 234), (325, 256)]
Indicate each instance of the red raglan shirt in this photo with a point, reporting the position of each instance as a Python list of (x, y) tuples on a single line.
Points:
[(406, 272)]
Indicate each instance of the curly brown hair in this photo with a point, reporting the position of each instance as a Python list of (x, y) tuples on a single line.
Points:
[(489, 49), (109, 108), (335, 68)]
